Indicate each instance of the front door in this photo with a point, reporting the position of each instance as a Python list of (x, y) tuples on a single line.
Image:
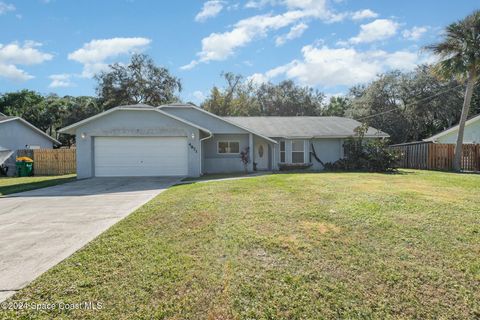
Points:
[(261, 156)]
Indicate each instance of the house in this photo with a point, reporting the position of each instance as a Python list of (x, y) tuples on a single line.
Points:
[(17, 134), (471, 134), (185, 140)]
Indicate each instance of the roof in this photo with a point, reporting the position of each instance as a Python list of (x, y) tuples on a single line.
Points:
[(70, 129), (304, 127), (225, 119), (4, 118), (452, 129), (410, 143)]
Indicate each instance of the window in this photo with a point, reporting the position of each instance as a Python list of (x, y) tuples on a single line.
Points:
[(282, 151), (228, 147), (298, 151)]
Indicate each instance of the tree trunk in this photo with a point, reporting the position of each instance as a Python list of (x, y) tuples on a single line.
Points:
[(457, 161)]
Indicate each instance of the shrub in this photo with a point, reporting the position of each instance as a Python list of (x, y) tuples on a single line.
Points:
[(365, 155)]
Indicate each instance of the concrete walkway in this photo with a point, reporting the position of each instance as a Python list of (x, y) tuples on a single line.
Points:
[(40, 228)]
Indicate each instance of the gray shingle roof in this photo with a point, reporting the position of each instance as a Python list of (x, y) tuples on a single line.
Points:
[(4, 117), (304, 127)]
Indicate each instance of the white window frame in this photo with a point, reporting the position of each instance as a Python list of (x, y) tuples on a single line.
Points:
[(284, 151), (303, 150), (227, 141)]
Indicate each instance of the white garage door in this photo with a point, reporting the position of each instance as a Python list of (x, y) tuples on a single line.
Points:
[(140, 156)]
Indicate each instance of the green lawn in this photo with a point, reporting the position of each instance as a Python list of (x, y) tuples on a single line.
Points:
[(287, 246), (18, 184), (218, 176)]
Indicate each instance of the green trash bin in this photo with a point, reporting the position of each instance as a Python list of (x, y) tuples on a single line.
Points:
[(24, 167)]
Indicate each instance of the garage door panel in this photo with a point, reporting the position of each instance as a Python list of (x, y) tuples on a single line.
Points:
[(140, 156)]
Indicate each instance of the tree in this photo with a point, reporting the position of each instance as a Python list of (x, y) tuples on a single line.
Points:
[(289, 99), (460, 57), (26, 104), (408, 106), (49, 113), (337, 106), (76, 109), (238, 98), (242, 97), (139, 82)]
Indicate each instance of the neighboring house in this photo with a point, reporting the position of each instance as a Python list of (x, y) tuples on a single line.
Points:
[(184, 140), (471, 134), (17, 134)]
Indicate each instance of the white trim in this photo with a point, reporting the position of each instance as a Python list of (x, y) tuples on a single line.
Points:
[(218, 117), (303, 150), (31, 126), (77, 124), (284, 151), (200, 143), (452, 129), (228, 141)]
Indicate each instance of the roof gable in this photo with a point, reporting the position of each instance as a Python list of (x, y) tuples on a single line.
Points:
[(141, 107), (27, 124), (453, 129), (216, 124)]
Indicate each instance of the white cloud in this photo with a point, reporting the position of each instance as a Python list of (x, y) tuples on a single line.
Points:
[(189, 66), (341, 66), (60, 80), (6, 7), (257, 4), (259, 78), (220, 46), (364, 14), (14, 54), (11, 72), (295, 32), (210, 9), (199, 96), (93, 55), (379, 29), (415, 33)]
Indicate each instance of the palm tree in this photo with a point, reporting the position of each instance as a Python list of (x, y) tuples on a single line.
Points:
[(459, 53)]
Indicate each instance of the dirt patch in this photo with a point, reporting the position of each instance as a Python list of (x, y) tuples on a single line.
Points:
[(319, 227)]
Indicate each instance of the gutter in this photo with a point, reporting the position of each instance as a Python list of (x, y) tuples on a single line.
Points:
[(210, 135)]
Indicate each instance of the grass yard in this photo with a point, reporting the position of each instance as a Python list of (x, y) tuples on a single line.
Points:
[(286, 246), (219, 176), (10, 185)]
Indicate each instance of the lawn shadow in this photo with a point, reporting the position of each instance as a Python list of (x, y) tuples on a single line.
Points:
[(28, 186)]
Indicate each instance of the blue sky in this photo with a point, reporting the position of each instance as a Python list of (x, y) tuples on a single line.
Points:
[(57, 45)]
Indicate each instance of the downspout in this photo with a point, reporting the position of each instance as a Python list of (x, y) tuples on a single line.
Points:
[(201, 151)]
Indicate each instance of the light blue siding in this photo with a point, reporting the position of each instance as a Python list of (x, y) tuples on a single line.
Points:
[(220, 163), (134, 123), (328, 150), (204, 120), (15, 135), (471, 135)]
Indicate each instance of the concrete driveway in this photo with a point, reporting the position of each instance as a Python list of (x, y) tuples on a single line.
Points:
[(40, 228)]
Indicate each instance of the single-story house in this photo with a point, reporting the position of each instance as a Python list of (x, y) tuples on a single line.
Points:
[(17, 134), (471, 134), (185, 140)]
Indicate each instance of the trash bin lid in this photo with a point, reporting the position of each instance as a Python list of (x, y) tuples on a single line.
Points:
[(24, 159)]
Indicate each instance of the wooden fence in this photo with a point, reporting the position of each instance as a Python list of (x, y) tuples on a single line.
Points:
[(51, 162), (436, 156)]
